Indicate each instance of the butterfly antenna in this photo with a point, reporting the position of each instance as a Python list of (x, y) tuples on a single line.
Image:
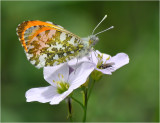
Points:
[(99, 23), (105, 30)]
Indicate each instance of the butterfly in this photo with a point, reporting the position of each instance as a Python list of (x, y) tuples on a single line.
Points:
[(49, 44)]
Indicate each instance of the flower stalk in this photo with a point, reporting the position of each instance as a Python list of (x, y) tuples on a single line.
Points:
[(85, 99), (69, 109), (91, 88), (78, 102)]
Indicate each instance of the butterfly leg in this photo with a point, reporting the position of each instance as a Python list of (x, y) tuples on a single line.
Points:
[(76, 66)]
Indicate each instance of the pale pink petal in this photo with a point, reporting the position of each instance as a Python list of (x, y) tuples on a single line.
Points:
[(80, 75), (52, 73), (41, 94), (106, 57), (94, 57), (104, 71), (59, 97), (119, 60), (74, 63)]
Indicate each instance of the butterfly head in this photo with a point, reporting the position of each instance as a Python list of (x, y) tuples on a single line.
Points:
[(93, 40)]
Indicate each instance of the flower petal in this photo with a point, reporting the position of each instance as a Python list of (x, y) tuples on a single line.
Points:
[(118, 61), (41, 94), (52, 73), (80, 75), (74, 63), (59, 97), (105, 71), (95, 56), (106, 57)]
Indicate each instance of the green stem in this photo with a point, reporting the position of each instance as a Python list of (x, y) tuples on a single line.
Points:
[(85, 92), (78, 102), (86, 96), (69, 109), (92, 85)]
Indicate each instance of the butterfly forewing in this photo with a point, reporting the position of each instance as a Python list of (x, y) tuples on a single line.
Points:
[(46, 44)]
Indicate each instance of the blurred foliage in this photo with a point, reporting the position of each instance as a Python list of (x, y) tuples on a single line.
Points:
[(129, 95)]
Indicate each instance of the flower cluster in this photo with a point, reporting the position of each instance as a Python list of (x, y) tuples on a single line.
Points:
[(65, 78)]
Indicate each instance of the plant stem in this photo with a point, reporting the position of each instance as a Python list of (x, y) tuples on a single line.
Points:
[(92, 85), (85, 95), (78, 102), (69, 109)]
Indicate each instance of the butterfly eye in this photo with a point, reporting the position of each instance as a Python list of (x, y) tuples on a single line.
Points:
[(94, 40)]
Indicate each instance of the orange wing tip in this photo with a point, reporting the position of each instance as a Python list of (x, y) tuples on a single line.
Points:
[(20, 30)]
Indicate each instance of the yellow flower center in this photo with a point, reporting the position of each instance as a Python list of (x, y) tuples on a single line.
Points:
[(102, 64), (62, 86)]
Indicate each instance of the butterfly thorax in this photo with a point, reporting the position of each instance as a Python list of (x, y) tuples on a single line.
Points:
[(88, 44), (90, 41)]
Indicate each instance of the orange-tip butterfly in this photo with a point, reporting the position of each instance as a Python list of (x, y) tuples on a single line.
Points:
[(48, 44)]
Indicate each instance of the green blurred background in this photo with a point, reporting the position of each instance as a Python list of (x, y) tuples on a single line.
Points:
[(131, 94)]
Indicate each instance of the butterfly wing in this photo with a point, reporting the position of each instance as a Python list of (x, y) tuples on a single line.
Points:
[(47, 44)]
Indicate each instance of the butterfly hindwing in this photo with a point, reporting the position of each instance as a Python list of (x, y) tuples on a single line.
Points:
[(46, 44)]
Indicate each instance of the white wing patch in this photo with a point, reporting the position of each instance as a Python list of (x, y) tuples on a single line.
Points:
[(50, 48), (30, 47), (59, 46), (33, 62), (42, 58), (63, 36), (29, 55), (56, 57), (71, 41), (72, 51), (65, 54)]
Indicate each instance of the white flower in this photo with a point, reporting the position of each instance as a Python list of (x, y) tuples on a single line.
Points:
[(107, 64), (74, 63), (62, 83)]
